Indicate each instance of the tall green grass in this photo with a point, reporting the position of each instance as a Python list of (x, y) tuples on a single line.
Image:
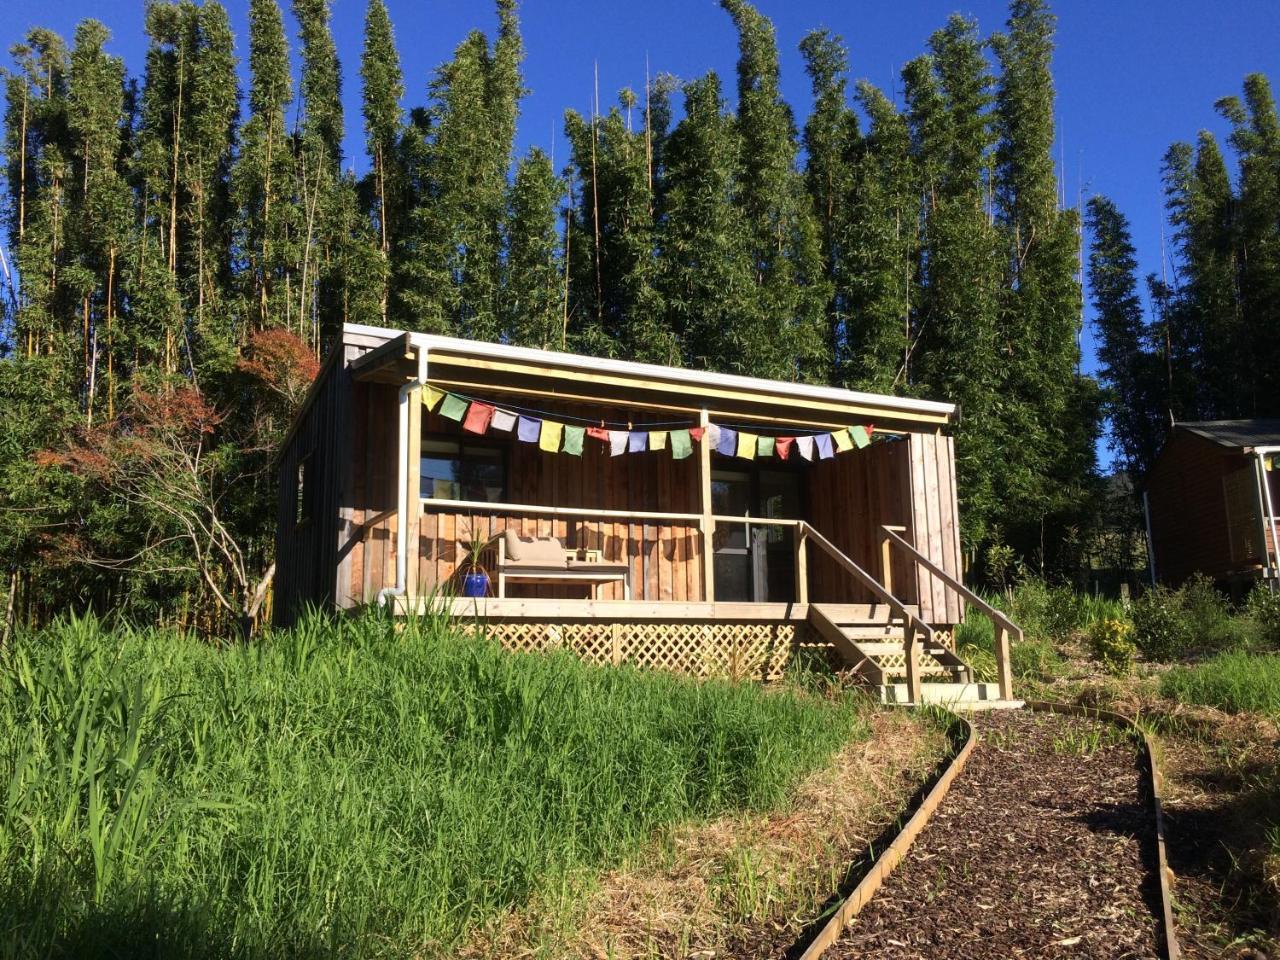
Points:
[(344, 789), (1236, 681)]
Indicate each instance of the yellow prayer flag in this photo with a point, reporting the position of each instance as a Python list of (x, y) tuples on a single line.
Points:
[(843, 440), (431, 396), (549, 438), (747, 445)]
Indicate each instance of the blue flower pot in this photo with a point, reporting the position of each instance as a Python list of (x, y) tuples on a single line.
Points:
[(475, 585)]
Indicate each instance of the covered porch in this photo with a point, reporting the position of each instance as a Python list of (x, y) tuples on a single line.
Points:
[(737, 555)]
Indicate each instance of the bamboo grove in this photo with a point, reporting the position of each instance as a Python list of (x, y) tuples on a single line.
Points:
[(181, 250)]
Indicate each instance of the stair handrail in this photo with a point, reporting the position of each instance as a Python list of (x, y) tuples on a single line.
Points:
[(1004, 627), (913, 626)]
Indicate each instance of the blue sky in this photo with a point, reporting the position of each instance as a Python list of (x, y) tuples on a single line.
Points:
[(1132, 76)]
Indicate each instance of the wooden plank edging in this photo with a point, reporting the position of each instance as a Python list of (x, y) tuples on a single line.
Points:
[(1167, 932), (894, 853)]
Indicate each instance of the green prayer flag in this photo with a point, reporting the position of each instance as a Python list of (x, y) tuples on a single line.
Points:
[(860, 437), (573, 439), (681, 444), (454, 407), (764, 446)]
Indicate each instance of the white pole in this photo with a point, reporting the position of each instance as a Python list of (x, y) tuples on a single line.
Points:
[(402, 501), (1151, 546)]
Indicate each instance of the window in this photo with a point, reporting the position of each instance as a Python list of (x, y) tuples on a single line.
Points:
[(303, 495), (457, 470)]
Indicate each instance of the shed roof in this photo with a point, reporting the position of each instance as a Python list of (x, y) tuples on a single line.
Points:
[(391, 359), (1235, 434)]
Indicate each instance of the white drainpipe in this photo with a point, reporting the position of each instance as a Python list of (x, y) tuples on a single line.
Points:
[(402, 501), (1264, 486)]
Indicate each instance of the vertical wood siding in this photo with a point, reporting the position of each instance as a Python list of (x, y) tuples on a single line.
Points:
[(1187, 500), (935, 527)]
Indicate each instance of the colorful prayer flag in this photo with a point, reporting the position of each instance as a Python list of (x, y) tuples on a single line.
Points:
[(636, 441), (843, 440), (747, 445), (657, 439), (784, 445), (431, 396), (823, 440), (479, 416), (617, 442), (503, 420), (454, 407), (598, 433), (573, 440), (549, 436), (860, 436), (805, 445), (696, 433), (713, 436), (529, 430), (764, 446), (728, 443), (681, 444)]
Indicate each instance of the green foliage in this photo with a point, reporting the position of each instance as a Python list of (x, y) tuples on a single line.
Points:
[(1262, 608), (1111, 641), (1169, 624), (349, 788), (1234, 681)]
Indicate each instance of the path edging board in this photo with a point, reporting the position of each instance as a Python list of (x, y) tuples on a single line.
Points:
[(1167, 932), (896, 850)]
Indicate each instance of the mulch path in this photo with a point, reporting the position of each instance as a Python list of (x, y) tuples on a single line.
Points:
[(1044, 847)]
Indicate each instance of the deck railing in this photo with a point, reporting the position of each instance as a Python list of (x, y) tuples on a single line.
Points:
[(915, 630)]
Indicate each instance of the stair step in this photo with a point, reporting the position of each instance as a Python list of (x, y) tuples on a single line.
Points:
[(884, 649), (956, 695)]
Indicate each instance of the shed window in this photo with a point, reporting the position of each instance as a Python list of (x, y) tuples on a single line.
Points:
[(456, 470), (304, 496)]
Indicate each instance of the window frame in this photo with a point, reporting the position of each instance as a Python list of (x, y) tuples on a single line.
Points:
[(461, 443)]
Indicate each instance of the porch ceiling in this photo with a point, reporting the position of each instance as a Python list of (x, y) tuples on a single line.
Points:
[(472, 365)]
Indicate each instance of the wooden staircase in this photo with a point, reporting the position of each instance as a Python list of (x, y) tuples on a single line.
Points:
[(886, 641), (871, 638)]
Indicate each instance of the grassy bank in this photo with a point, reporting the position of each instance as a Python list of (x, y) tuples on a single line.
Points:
[(1235, 681), (344, 789)]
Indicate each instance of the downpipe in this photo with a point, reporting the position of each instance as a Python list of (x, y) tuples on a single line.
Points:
[(402, 502)]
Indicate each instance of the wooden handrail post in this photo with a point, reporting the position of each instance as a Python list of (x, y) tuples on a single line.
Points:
[(911, 651), (708, 523), (1004, 670), (802, 565), (886, 561)]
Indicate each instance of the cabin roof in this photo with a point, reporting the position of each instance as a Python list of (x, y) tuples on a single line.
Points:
[(391, 358), (1239, 435)]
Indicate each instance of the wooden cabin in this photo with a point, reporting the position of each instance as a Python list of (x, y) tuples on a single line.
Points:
[(732, 521), (1210, 499)]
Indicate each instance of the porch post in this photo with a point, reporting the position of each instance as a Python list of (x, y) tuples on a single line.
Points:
[(413, 496), (707, 525)]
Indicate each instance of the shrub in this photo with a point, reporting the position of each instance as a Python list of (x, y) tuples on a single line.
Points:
[(1262, 609), (1112, 643), (1161, 629), (1234, 681)]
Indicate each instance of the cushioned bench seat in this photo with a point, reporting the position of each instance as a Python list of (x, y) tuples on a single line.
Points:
[(545, 560)]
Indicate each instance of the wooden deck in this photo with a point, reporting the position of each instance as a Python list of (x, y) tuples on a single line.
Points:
[(550, 610)]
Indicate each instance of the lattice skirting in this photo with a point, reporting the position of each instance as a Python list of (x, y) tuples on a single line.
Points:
[(740, 650)]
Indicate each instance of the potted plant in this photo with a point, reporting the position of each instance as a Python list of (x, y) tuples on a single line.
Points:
[(475, 579)]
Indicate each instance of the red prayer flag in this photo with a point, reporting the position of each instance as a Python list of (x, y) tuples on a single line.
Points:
[(871, 428), (784, 445), (697, 432), (478, 417), (598, 433)]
